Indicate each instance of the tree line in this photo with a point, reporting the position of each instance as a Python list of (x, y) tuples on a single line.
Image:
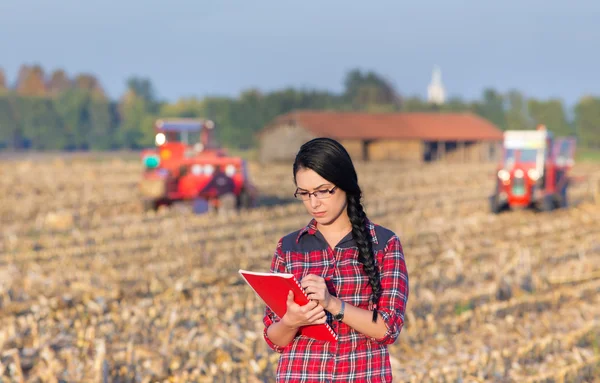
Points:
[(53, 111)]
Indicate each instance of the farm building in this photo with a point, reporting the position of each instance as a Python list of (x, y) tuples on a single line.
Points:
[(415, 137)]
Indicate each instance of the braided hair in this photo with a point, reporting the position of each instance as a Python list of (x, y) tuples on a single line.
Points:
[(330, 160)]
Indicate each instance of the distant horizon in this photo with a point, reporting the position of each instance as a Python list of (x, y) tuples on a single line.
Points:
[(200, 49), (114, 96)]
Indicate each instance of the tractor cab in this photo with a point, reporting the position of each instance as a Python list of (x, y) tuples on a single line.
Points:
[(533, 170), (177, 139), (187, 164)]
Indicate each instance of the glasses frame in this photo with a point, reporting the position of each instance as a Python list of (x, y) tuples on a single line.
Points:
[(307, 197)]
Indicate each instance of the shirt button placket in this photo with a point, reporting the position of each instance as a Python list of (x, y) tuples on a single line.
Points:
[(332, 358), (335, 257)]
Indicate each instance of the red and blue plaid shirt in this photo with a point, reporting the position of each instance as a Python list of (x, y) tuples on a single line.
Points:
[(355, 357)]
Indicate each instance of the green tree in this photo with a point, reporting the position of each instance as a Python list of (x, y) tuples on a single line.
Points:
[(247, 118), (133, 133), (91, 85), (72, 107), (184, 108), (550, 113), (220, 110), (455, 105), (492, 107), (10, 129), (144, 89), (415, 104), (59, 82), (102, 125), (3, 86), (40, 123), (587, 121), (517, 114), (368, 89), (31, 81)]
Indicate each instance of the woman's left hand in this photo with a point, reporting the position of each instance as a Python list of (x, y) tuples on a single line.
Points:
[(316, 289)]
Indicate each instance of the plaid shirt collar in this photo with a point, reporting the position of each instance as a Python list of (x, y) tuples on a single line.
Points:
[(311, 229)]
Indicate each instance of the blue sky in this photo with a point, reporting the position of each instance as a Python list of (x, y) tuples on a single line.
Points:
[(203, 47)]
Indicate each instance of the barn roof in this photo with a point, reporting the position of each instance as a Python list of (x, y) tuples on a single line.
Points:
[(424, 126)]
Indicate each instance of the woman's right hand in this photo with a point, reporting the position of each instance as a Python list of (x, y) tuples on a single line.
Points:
[(297, 316)]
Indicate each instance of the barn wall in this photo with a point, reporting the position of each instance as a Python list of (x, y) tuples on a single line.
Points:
[(494, 151), (473, 151), (398, 150), (281, 143), (483, 151), (354, 148)]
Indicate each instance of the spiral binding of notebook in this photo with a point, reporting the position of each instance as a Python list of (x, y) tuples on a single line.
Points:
[(273, 287), (331, 331)]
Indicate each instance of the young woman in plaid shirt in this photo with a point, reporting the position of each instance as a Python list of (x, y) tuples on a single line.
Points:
[(368, 292)]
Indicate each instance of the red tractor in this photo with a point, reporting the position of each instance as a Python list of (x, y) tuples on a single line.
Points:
[(188, 165), (534, 171)]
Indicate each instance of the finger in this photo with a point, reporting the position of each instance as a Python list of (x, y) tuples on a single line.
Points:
[(316, 310), (315, 291), (309, 289), (311, 278), (315, 286), (315, 297), (313, 282), (318, 317), (315, 314), (310, 306)]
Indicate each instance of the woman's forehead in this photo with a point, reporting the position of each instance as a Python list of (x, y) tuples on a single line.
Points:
[(309, 179)]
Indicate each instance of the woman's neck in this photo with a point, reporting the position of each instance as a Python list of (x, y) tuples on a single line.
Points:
[(338, 228)]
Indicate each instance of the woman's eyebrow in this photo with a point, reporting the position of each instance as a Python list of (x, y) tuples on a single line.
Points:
[(318, 187)]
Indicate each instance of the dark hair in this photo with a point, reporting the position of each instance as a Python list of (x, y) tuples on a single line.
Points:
[(329, 159)]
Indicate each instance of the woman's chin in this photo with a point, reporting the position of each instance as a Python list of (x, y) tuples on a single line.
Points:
[(322, 220)]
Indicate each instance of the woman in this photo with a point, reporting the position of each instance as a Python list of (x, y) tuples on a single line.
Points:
[(364, 263)]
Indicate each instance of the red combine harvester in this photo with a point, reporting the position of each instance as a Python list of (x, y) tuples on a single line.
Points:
[(534, 171), (188, 165)]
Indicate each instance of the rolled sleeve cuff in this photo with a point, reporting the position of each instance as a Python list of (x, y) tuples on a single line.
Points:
[(394, 325), (272, 345)]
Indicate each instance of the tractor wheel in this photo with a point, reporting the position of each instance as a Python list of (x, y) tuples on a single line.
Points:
[(149, 205), (244, 200), (563, 201), (495, 206), (227, 203), (200, 206), (547, 203)]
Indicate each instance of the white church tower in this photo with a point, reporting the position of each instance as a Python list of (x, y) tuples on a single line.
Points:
[(435, 91)]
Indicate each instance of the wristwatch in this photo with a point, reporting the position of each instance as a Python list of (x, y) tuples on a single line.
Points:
[(339, 316)]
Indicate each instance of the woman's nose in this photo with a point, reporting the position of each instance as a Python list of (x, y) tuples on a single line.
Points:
[(314, 201)]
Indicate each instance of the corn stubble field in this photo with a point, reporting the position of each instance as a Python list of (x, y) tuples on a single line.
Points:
[(92, 289)]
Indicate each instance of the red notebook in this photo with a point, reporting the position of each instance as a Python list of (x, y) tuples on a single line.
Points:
[(273, 289)]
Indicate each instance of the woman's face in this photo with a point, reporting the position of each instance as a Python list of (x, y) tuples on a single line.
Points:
[(327, 209)]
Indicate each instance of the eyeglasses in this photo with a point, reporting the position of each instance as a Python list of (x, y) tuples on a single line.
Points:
[(320, 194)]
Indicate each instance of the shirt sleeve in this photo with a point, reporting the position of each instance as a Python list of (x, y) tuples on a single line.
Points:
[(394, 286), (277, 265)]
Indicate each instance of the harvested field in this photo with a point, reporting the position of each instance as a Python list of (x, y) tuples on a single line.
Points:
[(93, 289)]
